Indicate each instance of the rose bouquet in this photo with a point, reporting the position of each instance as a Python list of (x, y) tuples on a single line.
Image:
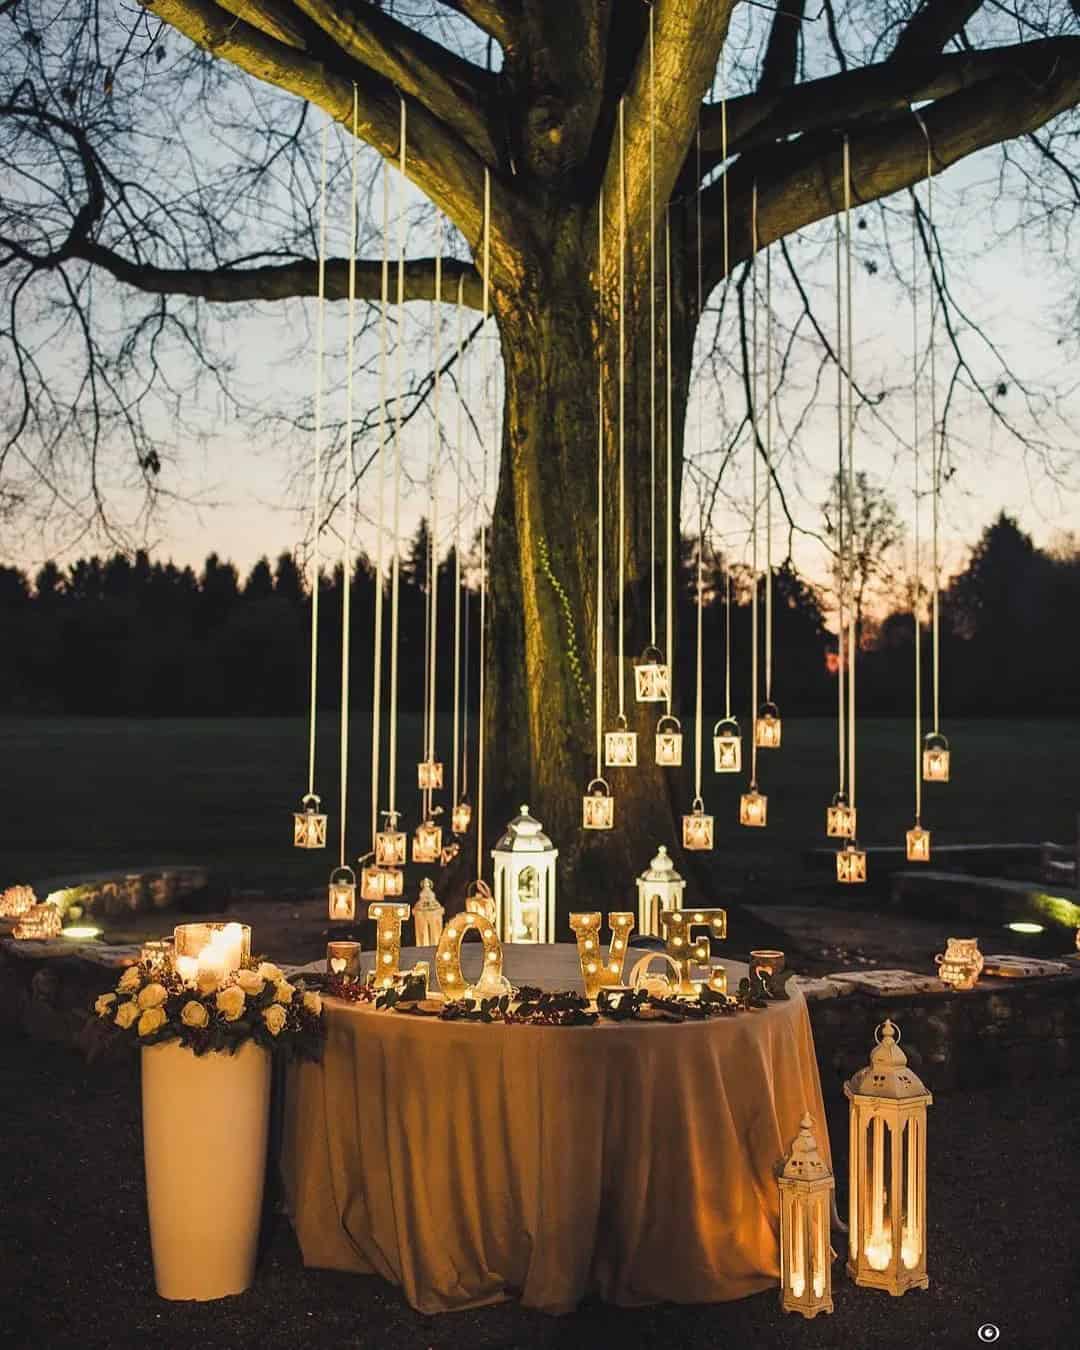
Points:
[(255, 1003)]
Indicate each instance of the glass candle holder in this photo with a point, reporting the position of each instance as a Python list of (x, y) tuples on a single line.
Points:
[(217, 949), (343, 960)]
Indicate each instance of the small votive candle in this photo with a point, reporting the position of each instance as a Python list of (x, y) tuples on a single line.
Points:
[(343, 959)]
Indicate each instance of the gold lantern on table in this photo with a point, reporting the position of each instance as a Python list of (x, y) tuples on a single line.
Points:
[(918, 844), (935, 758), (598, 806), (669, 741), (461, 817), (427, 840), (727, 746), (620, 746), (428, 915), (342, 894), (697, 827), (652, 679), (887, 1203), (753, 807), (768, 727), (840, 817), (851, 864), (390, 842), (429, 775), (659, 887), (309, 824), (806, 1188)]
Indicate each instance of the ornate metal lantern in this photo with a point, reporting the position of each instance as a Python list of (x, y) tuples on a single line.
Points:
[(524, 861), (918, 844), (727, 746), (652, 681), (390, 842), (393, 882), (887, 1216), (342, 891), (753, 807), (658, 888), (372, 880), (598, 806), (428, 915), (840, 818), (668, 741), (429, 775), (309, 825), (620, 746), (427, 841), (806, 1187), (697, 827), (768, 727), (935, 758), (851, 864), (461, 817)]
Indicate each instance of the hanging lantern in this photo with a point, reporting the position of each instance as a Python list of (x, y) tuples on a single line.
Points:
[(697, 827), (806, 1188), (652, 681), (887, 1216), (918, 844), (768, 727), (935, 758), (727, 746), (524, 861), (372, 879), (668, 741), (461, 817), (342, 894), (620, 746), (427, 842), (393, 882), (840, 818), (428, 915), (597, 806), (309, 825), (753, 807), (658, 888), (851, 864), (429, 775), (390, 843)]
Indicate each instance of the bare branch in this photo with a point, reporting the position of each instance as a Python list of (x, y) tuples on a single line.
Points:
[(931, 27), (779, 67)]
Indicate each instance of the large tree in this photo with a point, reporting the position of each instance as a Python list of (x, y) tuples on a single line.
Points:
[(542, 119)]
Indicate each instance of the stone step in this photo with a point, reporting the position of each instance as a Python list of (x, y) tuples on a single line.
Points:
[(987, 900)]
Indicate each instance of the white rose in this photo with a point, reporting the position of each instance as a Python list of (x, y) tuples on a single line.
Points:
[(251, 982), (103, 1005), (270, 972), (230, 1002), (193, 1014), (126, 1013), (313, 1002), (284, 992), (152, 1019), (206, 982), (152, 996), (274, 1017), (131, 979)]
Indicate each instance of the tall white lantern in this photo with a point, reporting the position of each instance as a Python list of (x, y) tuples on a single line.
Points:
[(428, 915), (658, 888), (806, 1187), (525, 882), (887, 1215)]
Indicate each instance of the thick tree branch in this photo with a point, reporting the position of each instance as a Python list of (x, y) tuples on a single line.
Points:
[(931, 27), (780, 64), (497, 18)]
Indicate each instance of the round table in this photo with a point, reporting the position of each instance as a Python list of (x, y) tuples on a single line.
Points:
[(470, 1163)]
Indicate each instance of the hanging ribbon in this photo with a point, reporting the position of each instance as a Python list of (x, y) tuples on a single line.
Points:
[(600, 494), (853, 636), (699, 277), (316, 487), (754, 489), (768, 476), (483, 549), (916, 601), (459, 469), (395, 559), (622, 407), (433, 530), (669, 488), (350, 493), (384, 382), (652, 339), (841, 570), (727, 264)]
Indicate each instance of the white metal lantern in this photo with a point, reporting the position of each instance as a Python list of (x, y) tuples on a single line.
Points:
[(935, 758), (620, 746), (658, 888), (429, 775), (309, 825), (393, 882), (652, 681), (428, 915), (390, 843), (669, 741), (887, 1214), (461, 817), (697, 827), (727, 746), (524, 861), (753, 807), (806, 1187), (840, 818), (598, 806), (342, 894), (427, 842), (851, 864), (918, 844), (768, 727)]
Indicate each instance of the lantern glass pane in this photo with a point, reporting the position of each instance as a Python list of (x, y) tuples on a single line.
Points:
[(727, 754), (620, 749), (390, 848), (669, 748), (597, 811)]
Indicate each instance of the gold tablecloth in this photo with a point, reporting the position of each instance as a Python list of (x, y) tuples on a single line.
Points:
[(470, 1163)]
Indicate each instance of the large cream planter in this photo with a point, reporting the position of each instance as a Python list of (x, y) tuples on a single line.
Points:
[(204, 1142)]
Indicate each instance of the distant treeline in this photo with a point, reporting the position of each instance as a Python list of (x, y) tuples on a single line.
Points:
[(129, 637)]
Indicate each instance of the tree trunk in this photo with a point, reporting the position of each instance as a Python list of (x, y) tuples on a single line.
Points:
[(541, 702)]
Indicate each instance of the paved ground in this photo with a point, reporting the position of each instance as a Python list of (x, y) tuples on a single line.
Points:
[(1004, 1204)]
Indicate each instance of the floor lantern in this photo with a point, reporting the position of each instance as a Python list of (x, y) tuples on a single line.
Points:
[(669, 741), (935, 758), (753, 807), (840, 818), (652, 681), (697, 827), (658, 888), (598, 806), (390, 843), (524, 861), (918, 844), (342, 895), (806, 1188), (429, 775), (768, 728), (887, 1214), (427, 841), (461, 818), (309, 825), (727, 746), (851, 864), (428, 916)]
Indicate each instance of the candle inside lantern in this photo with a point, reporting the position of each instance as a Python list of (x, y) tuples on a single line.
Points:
[(216, 949)]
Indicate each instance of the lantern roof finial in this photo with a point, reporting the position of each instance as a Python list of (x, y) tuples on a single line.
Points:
[(804, 1162)]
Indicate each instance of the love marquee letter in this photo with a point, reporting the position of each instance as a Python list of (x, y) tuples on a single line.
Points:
[(597, 972), (683, 947), (388, 921), (448, 970)]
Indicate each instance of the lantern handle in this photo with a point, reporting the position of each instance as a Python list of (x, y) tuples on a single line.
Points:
[(768, 709), (621, 722), (726, 722), (598, 783), (887, 1023), (839, 799), (698, 806), (311, 797), (667, 717), (362, 860), (342, 873), (653, 652), (478, 888), (391, 818)]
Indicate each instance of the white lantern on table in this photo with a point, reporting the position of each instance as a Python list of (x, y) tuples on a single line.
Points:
[(428, 915), (659, 887), (524, 861), (806, 1187)]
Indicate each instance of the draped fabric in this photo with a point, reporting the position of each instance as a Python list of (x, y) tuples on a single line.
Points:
[(470, 1163)]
